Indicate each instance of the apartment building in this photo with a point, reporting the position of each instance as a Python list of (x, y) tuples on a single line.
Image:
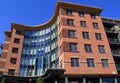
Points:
[(76, 45)]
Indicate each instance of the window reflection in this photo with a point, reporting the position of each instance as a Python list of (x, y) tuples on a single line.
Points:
[(39, 51)]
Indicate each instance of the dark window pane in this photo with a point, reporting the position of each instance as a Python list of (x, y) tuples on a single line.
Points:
[(70, 22), (74, 62), (71, 33), (98, 36), (95, 25), (11, 72), (81, 14), (83, 23), (18, 32), (101, 48), (16, 40), (88, 48), (85, 35), (13, 60), (14, 50), (90, 62), (93, 16), (73, 46), (105, 62), (69, 12)]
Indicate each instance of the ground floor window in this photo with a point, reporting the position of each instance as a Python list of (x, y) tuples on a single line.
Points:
[(108, 80), (92, 80)]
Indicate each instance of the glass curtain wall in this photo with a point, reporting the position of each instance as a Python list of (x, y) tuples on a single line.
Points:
[(40, 51)]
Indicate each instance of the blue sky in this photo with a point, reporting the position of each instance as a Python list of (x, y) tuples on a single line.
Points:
[(34, 12)]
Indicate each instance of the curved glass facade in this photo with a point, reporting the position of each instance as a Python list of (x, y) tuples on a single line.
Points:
[(40, 51)]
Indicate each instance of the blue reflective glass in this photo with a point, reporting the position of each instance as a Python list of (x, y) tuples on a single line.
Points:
[(38, 47), (108, 80)]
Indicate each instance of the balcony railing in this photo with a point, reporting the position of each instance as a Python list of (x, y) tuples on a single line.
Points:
[(109, 30), (118, 66), (108, 21), (114, 41), (116, 52)]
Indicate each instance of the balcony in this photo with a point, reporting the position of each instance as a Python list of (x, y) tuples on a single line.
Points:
[(108, 21), (116, 53), (114, 41), (117, 66), (111, 30)]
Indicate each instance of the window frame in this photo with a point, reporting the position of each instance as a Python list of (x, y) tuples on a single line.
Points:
[(93, 16), (81, 14), (69, 12), (15, 50), (98, 36), (75, 62), (13, 60), (88, 48), (72, 33), (90, 62), (70, 22), (95, 25), (73, 47), (105, 63), (16, 40), (85, 35), (83, 23), (11, 71), (101, 48)]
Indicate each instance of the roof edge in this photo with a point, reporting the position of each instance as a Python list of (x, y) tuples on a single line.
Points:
[(54, 17)]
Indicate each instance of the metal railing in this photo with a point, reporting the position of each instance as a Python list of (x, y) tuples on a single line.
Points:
[(108, 29), (108, 20), (118, 66), (116, 52), (113, 40)]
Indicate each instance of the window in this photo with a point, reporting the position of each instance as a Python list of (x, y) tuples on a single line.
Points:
[(70, 22), (11, 72), (101, 48), (18, 32), (73, 46), (14, 50), (93, 16), (75, 62), (98, 36), (83, 23), (88, 48), (95, 25), (13, 60), (16, 40), (71, 33), (81, 14), (90, 62), (85, 35), (69, 12), (105, 62)]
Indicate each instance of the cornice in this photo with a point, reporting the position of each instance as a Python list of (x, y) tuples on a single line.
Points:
[(54, 17)]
